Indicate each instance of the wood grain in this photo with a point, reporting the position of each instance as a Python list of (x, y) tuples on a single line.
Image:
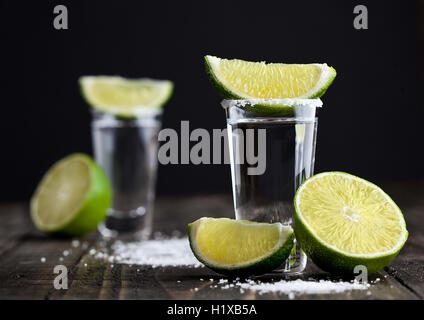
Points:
[(24, 276)]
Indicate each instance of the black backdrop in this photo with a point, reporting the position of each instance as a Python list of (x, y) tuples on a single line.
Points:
[(371, 124)]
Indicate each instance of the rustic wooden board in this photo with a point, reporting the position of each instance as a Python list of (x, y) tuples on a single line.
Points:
[(24, 276)]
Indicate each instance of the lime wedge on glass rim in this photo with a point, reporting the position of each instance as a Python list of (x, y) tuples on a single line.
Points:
[(342, 221), (240, 247), (72, 198), (125, 98), (238, 79)]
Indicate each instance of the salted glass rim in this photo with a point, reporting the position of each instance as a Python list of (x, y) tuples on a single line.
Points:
[(289, 102)]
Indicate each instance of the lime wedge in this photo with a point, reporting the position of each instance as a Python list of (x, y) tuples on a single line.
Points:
[(72, 197), (238, 79), (125, 97), (238, 246), (342, 221)]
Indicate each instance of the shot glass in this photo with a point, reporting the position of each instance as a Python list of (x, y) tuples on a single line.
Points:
[(127, 151), (271, 155)]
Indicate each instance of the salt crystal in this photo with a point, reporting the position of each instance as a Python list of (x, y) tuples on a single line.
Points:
[(43, 259), (75, 243), (66, 253), (99, 255)]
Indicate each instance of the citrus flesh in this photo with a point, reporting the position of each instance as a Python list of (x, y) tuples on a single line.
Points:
[(239, 79), (238, 246), (342, 221), (125, 97), (72, 197)]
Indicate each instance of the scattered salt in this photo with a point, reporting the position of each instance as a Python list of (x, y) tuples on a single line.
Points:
[(157, 252), (92, 252), (43, 259), (66, 253), (302, 287)]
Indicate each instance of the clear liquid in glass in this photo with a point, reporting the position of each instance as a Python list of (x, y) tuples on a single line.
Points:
[(290, 156), (127, 151)]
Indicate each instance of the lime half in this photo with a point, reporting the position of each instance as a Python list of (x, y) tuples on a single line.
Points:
[(342, 221), (123, 97), (238, 79), (240, 247), (72, 197)]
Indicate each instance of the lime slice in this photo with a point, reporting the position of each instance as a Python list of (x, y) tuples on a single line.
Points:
[(238, 79), (72, 197), (342, 221), (126, 98), (238, 246)]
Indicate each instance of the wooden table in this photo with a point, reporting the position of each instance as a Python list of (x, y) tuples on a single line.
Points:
[(24, 276)]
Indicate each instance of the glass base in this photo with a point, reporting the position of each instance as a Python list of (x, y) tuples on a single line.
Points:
[(132, 225), (295, 263)]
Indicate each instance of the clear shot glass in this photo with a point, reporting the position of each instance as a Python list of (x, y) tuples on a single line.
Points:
[(127, 150), (272, 151)]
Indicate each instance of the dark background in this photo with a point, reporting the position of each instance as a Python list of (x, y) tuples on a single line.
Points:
[(371, 124)]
